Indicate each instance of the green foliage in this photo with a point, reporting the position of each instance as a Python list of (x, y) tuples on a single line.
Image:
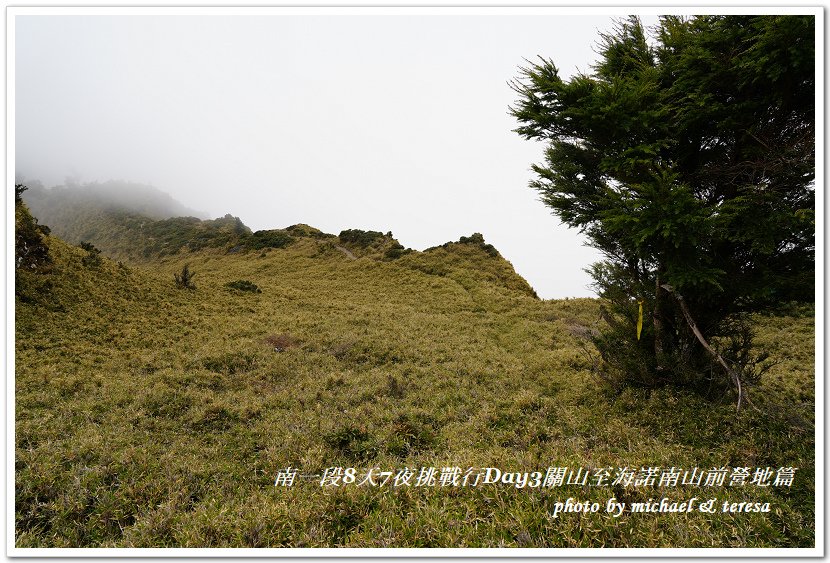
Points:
[(302, 230), (396, 250), (18, 193), (360, 238), (32, 260), (268, 239), (93, 255), (184, 280), (690, 165), (477, 239), (244, 285), (170, 236), (31, 251)]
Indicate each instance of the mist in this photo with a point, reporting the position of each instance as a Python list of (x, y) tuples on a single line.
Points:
[(378, 122), (116, 195)]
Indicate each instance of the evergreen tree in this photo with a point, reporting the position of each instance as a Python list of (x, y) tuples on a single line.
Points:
[(690, 165)]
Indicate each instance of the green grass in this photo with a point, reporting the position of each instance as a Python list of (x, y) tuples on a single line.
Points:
[(148, 416)]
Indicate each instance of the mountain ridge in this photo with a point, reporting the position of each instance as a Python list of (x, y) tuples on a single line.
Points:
[(122, 232)]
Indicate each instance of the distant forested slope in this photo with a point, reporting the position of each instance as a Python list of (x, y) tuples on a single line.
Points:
[(60, 204)]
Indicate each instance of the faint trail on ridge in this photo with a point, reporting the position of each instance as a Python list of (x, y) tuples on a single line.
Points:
[(347, 252)]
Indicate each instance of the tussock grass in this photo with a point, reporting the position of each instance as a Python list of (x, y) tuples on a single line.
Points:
[(149, 416)]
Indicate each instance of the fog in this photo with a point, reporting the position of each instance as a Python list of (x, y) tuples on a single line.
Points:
[(381, 122), (148, 201)]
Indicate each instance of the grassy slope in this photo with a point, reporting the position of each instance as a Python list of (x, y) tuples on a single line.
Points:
[(151, 416)]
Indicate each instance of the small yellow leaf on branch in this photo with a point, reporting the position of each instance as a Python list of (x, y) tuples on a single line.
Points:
[(640, 319)]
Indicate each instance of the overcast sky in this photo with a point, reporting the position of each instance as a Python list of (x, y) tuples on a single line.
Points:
[(381, 122)]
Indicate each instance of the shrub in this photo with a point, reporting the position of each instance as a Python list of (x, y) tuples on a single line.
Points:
[(396, 251), (185, 279), (301, 230), (169, 236), (243, 285), (477, 239), (31, 251), (93, 255), (268, 239), (360, 238)]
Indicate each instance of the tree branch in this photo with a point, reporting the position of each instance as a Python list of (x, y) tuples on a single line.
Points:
[(735, 379)]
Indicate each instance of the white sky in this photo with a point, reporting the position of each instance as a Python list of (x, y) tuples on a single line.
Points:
[(394, 122)]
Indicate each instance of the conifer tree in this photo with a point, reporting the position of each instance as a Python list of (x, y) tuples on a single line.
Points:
[(689, 163)]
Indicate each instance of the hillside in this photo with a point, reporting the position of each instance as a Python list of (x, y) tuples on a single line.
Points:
[(65, 205), (127, 221), (152, 416), (125, 231)]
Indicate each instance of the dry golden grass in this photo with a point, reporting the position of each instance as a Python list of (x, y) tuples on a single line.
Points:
[(151, 416)]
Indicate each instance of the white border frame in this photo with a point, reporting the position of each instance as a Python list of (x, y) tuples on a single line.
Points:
[(651, 9)]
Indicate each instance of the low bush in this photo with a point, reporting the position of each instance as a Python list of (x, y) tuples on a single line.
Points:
[(478, 240), (359, 237), (302, 230), (268, 239), (92, 258), (396, 251), (243, 285), (184, 280), (31, 250)]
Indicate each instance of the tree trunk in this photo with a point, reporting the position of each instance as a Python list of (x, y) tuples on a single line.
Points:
[(736, 380), (660, 336)]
